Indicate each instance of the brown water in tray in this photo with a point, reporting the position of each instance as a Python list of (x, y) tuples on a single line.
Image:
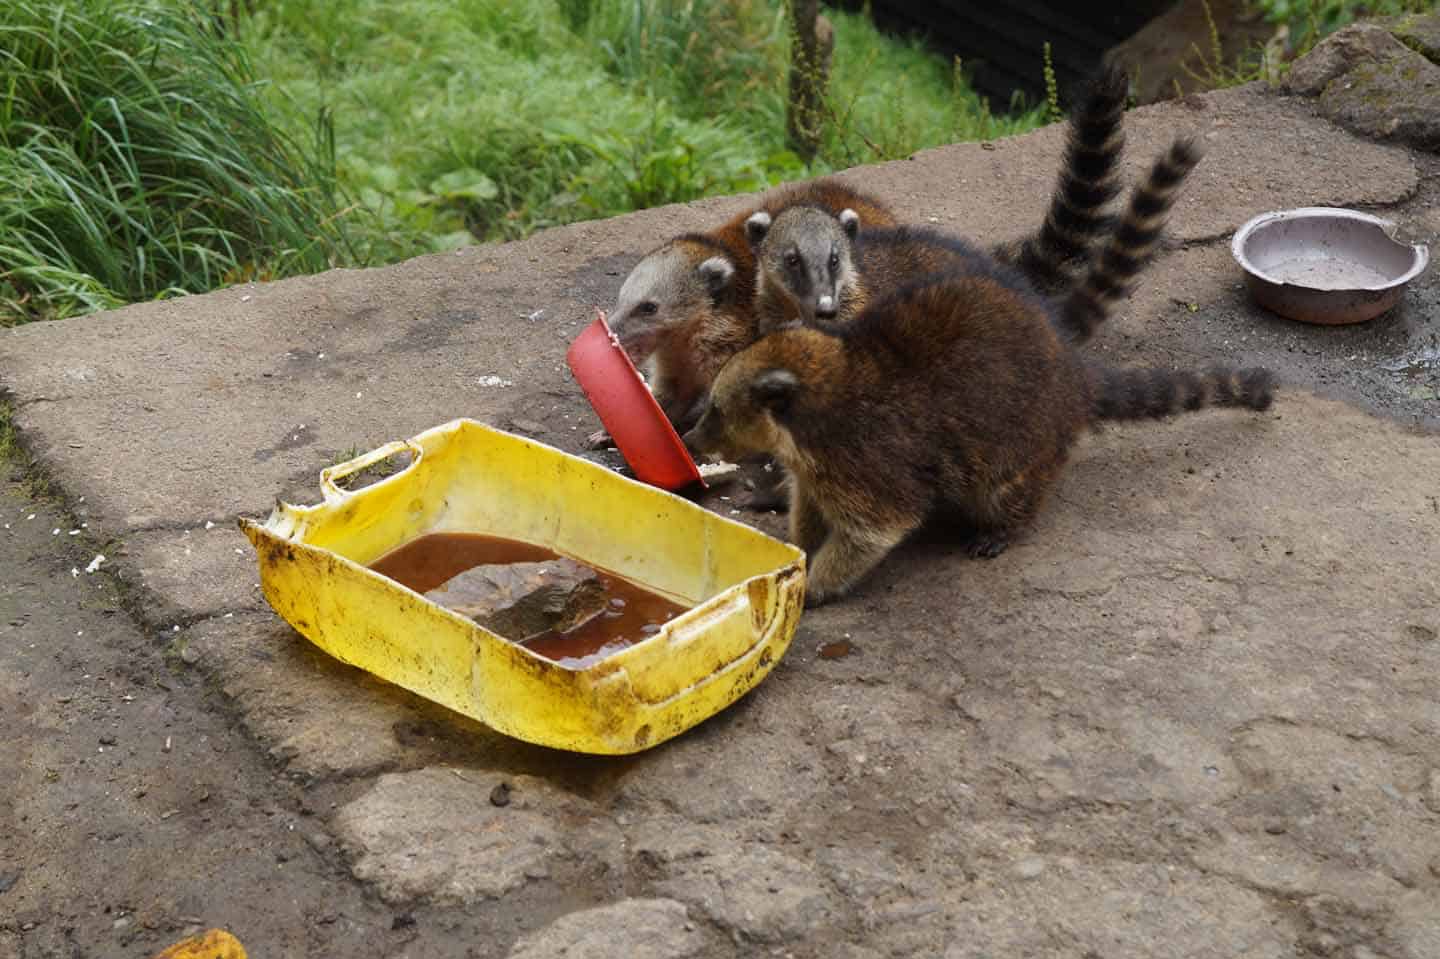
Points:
[(562, 610)]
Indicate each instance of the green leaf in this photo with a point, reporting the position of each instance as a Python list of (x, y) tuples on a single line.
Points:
[(385, 177), (465, 184), (452, 241)]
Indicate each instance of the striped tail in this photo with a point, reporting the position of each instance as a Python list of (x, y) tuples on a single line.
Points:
[(1089, 180), (1135, 394), (1116, 270)]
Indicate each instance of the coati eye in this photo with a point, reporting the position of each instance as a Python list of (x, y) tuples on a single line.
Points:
[(647, 308), (792, 259), (834, 260)]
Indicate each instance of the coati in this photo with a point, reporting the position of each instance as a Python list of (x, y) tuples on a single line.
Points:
[(686, 307), (956, 394), (864, 262), (812, 267)]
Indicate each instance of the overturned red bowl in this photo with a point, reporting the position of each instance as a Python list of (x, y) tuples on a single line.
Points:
[(628, 410)]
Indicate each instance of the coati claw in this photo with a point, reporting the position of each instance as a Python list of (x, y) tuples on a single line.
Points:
[(599, 440), (987, 545)]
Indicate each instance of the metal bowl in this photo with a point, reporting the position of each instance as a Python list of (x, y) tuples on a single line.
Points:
[(1325, 265)]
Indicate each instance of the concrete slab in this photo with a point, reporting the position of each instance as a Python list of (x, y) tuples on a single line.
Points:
[(1194, 709)]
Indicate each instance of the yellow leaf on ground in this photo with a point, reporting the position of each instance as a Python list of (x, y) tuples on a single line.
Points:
[(215, 944)]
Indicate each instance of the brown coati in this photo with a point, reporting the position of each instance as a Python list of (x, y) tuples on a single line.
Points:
[(687, 307), (955, 395), (805, 248), (808, 268)]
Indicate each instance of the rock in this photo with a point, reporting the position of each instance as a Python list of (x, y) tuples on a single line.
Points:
[(432, 835), (7, 880), (557, 607), (754, 891), (632, 928), (528, 426), (514, 595), (1372, 84), (1337, 54), (1432, 791), (1419, 33), (1397, 98), (1175, 48)]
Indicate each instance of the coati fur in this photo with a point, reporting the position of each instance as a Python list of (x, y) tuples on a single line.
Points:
[(687, 306), (855, 264), (956, 394), (806, 271)]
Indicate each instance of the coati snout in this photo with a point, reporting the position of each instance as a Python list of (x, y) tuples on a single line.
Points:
[(665, 290), (744, 412), (803, 263)]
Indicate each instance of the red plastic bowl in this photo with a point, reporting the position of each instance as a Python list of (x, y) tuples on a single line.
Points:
[(628, 410)]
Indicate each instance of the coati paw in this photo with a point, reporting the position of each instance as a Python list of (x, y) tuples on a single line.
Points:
[(815, 597), (599, 440), (986, 545)]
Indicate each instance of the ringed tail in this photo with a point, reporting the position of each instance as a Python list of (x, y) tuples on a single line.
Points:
[(1120, 393), (1116, 269), (1089, 180)]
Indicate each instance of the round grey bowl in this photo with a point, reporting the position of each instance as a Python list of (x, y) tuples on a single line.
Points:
[(1325, 265)]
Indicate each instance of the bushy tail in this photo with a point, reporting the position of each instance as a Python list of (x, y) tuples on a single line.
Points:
[(1088, 182), (1134, 394), (1116, 269)]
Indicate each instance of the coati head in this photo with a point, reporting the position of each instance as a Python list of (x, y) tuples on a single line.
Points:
[(684, 278), (804, 257), (758, 394)]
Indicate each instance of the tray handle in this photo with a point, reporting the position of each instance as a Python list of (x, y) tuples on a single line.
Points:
[(331, 475)]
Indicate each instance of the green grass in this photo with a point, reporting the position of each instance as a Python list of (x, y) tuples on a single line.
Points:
[(136, 161), (149, 148), (461, 120)]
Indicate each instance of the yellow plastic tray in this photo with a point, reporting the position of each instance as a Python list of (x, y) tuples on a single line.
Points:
[(747, 589)]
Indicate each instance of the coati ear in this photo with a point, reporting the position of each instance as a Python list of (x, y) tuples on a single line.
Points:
[(757, 228), (716, 272), (775, 389), (850, 222)]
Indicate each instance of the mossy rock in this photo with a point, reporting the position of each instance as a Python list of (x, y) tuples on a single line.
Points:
[(1419, 32), (1397, 98)]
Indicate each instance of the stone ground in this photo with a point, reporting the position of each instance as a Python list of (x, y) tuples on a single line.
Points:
[(1194, 713)]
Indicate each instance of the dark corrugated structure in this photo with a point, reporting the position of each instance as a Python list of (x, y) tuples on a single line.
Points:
[(1002, 44)]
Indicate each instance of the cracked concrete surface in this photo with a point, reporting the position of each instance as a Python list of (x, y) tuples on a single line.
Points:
[(1194, 712)]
